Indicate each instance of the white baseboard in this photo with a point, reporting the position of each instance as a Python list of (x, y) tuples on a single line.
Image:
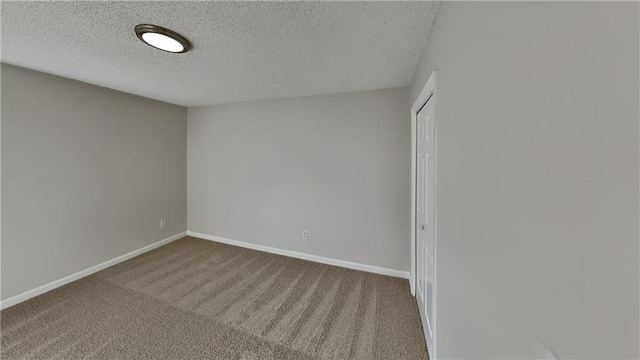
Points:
[(86, 272), (303, 256)]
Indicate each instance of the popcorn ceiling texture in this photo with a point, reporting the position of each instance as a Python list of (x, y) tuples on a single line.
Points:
[(242, 51)]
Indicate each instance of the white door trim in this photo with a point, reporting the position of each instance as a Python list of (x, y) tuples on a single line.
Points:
[(429, 91)]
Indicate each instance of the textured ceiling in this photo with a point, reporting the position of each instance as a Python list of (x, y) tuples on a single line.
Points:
[(242, 51)]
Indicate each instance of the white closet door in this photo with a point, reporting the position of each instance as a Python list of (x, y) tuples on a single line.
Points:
[(425, 230)]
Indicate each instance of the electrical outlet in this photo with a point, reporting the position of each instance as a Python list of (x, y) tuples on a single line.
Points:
[(163, 223), (305, 235)]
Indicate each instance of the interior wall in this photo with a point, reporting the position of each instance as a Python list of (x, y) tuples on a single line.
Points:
[(87, 175), (335, 165), (537, 200)]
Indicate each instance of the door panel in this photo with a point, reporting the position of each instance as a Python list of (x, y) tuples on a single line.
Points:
[(425, 230), (420, 209)]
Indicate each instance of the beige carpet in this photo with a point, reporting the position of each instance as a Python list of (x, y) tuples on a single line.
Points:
[(197, 299)]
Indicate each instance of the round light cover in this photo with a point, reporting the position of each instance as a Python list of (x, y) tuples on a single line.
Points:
[(162, 38)]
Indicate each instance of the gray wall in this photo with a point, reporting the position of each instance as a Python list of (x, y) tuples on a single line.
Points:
[(87, 174), (335, 165), (537, 194)]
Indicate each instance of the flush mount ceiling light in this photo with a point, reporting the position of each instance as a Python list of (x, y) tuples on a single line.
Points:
[(162, 38)]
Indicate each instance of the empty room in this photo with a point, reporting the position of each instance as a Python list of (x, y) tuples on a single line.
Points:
[(319, 180)]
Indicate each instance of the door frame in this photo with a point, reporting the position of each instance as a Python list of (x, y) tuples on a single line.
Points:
[(427, 93)]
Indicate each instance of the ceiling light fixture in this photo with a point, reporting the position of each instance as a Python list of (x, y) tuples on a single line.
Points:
[(162, 38)]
